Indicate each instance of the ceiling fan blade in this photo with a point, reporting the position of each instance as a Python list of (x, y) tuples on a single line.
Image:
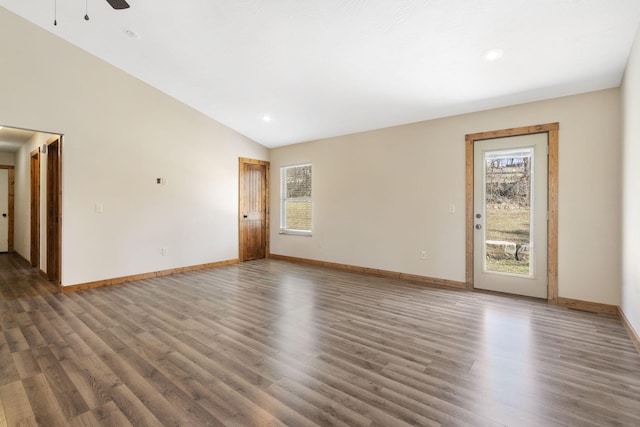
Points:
[(118, 4)]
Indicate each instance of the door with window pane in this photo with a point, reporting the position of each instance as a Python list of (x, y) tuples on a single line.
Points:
[(510, 215)]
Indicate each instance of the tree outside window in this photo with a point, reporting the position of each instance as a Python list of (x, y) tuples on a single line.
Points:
[(295, 209)]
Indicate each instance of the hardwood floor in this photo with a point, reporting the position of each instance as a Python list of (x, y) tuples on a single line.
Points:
[(269, 343)]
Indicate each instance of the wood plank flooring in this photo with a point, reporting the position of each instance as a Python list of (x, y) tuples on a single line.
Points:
[(270, 343)]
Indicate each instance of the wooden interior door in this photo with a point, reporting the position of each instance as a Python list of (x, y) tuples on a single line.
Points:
[(7, 202), (35, 208), (54, 212), (253, 209), (4, 210), (12, 201)]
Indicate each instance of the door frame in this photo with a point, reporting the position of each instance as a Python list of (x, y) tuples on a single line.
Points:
[(54, 209), (11, 205), (552, 130), (34, 174), (242, 161)]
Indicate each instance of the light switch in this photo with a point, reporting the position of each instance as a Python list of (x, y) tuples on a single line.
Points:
[(452, 208), (99, 208)]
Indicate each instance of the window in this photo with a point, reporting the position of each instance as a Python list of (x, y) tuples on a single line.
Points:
[(295, 199)]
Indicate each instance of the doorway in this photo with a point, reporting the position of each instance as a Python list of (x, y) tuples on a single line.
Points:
[(512, 211), (510, 215), (54, 209), (253, 209)]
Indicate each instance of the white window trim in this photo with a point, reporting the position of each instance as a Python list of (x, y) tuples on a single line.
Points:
[(292, 231)]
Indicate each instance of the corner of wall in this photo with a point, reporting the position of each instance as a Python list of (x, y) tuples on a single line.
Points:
[(630, 306)]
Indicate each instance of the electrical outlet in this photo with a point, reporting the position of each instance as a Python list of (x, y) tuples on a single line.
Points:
[(423, 254), (165, 251)]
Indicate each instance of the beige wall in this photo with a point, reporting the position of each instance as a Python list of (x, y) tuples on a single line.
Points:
[(7, 159), (631, 188), (381, 197), (119, 136)]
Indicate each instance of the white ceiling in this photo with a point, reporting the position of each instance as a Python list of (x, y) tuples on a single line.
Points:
[(11, 139), (322, 68)]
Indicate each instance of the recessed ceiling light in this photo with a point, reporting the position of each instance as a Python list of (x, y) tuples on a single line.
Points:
[(131, 33), (493, 54), (266, 118)]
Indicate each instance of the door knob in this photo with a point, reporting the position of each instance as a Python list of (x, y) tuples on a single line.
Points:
[(478, 226), (4, 215)]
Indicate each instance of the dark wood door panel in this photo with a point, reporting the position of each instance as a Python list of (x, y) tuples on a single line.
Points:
[(35, 209), (253, 209), (54, 212)]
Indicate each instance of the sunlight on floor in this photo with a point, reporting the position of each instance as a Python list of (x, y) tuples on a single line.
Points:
[(506, 364)]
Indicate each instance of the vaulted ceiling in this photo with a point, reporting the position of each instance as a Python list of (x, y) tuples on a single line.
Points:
[(287, 71)]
